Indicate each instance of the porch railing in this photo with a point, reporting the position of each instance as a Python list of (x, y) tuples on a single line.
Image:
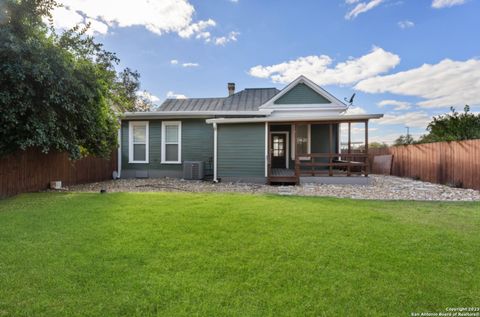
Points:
[(323, 164)]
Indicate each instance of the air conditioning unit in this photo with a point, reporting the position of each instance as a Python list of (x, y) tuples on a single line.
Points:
[(193, 170)]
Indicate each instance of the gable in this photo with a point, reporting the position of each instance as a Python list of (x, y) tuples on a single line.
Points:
[(301, 94)]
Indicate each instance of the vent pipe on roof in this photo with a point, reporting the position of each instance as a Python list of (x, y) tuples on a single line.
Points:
[(231, 88)]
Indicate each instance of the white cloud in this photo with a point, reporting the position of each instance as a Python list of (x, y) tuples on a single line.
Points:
[(197, 29), (398, 105), (66, 19), (448, 83), (96, 27), (174, 61), (148, 96), (190, 64), (415, 119), (406, 24), (438, 4), (231, 37), (157, 16), (173, 95), (361, 7), (318, 68)]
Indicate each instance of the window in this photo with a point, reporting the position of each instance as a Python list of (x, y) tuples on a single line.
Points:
[(302, 140), (138, 141), (278, 146), (171, 142)]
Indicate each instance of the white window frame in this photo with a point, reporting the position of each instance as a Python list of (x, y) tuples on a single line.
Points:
[(131, 125), (179, 143)]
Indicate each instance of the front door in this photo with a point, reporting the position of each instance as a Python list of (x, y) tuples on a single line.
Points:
[(279, 150)]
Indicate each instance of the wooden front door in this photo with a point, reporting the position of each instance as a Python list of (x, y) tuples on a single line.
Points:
[(279, 150)]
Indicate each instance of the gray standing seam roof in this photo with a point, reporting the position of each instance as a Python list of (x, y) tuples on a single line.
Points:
[(249, 99)]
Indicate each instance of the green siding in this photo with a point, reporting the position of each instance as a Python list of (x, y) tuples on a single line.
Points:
[(301, 94), (320, 143), (241, 150), (197, 144), (321, 138)]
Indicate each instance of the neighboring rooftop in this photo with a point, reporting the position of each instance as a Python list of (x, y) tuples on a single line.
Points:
[(249, 99)]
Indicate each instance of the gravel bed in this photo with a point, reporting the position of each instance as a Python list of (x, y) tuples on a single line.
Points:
[(382, 187)]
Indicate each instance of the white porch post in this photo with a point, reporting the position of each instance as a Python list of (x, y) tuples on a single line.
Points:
[(119, 151), (266, 149), (215, 153)]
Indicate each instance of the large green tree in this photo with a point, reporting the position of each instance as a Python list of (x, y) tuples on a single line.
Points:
[(57, 91), (453, 126)]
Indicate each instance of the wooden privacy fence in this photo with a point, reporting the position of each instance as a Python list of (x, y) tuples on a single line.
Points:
[(31, 170), (452, 163)]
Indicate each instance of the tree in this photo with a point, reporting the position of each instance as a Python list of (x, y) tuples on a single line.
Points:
[(377, 145), (58, 91), (453, 126), (404, 140)]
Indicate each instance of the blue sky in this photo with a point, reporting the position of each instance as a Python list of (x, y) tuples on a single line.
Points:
[(373, 47)]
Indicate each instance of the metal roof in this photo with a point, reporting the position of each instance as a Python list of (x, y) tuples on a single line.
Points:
[(249, 99)]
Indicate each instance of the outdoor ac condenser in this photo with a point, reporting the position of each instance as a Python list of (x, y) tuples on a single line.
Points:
[(193, 170)]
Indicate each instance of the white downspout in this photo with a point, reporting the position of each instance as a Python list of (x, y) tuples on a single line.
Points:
[(119, 153), (215, 178), (266, 149)]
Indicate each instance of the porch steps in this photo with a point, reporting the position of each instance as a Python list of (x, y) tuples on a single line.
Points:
[(282, 175)]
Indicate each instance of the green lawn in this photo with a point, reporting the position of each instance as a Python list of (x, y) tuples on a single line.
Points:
[(149, 254)]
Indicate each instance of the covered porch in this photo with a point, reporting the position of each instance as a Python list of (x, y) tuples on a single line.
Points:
[(311, 151)]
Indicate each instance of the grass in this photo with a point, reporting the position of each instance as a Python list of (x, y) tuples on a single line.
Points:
[(164, 254)]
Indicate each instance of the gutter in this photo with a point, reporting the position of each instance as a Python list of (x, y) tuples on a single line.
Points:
[(119, 152), (191, 114), (297, 119)]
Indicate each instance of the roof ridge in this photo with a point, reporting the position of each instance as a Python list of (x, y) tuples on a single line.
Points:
[(260, 88)]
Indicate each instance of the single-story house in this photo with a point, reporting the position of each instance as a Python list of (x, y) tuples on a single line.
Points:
[(260, 135)]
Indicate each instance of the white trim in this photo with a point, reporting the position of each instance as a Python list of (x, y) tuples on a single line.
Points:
[(119, 151), (266, 149), (131, 124), (178, 124), (339, 148), (215, 151), (287, 143), (305, 107), (191, 114), (303, 80), (309, 139), (293, 142), (340, 118)]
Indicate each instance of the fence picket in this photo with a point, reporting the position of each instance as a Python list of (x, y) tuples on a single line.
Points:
[(453, 163)]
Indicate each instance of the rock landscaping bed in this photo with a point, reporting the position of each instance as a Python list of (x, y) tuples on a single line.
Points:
[(382, 187)]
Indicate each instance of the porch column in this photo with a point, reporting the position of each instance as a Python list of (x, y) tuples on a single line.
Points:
[(366, 149), (295, 150), (330, 157), (349, 137), (267, 150)]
